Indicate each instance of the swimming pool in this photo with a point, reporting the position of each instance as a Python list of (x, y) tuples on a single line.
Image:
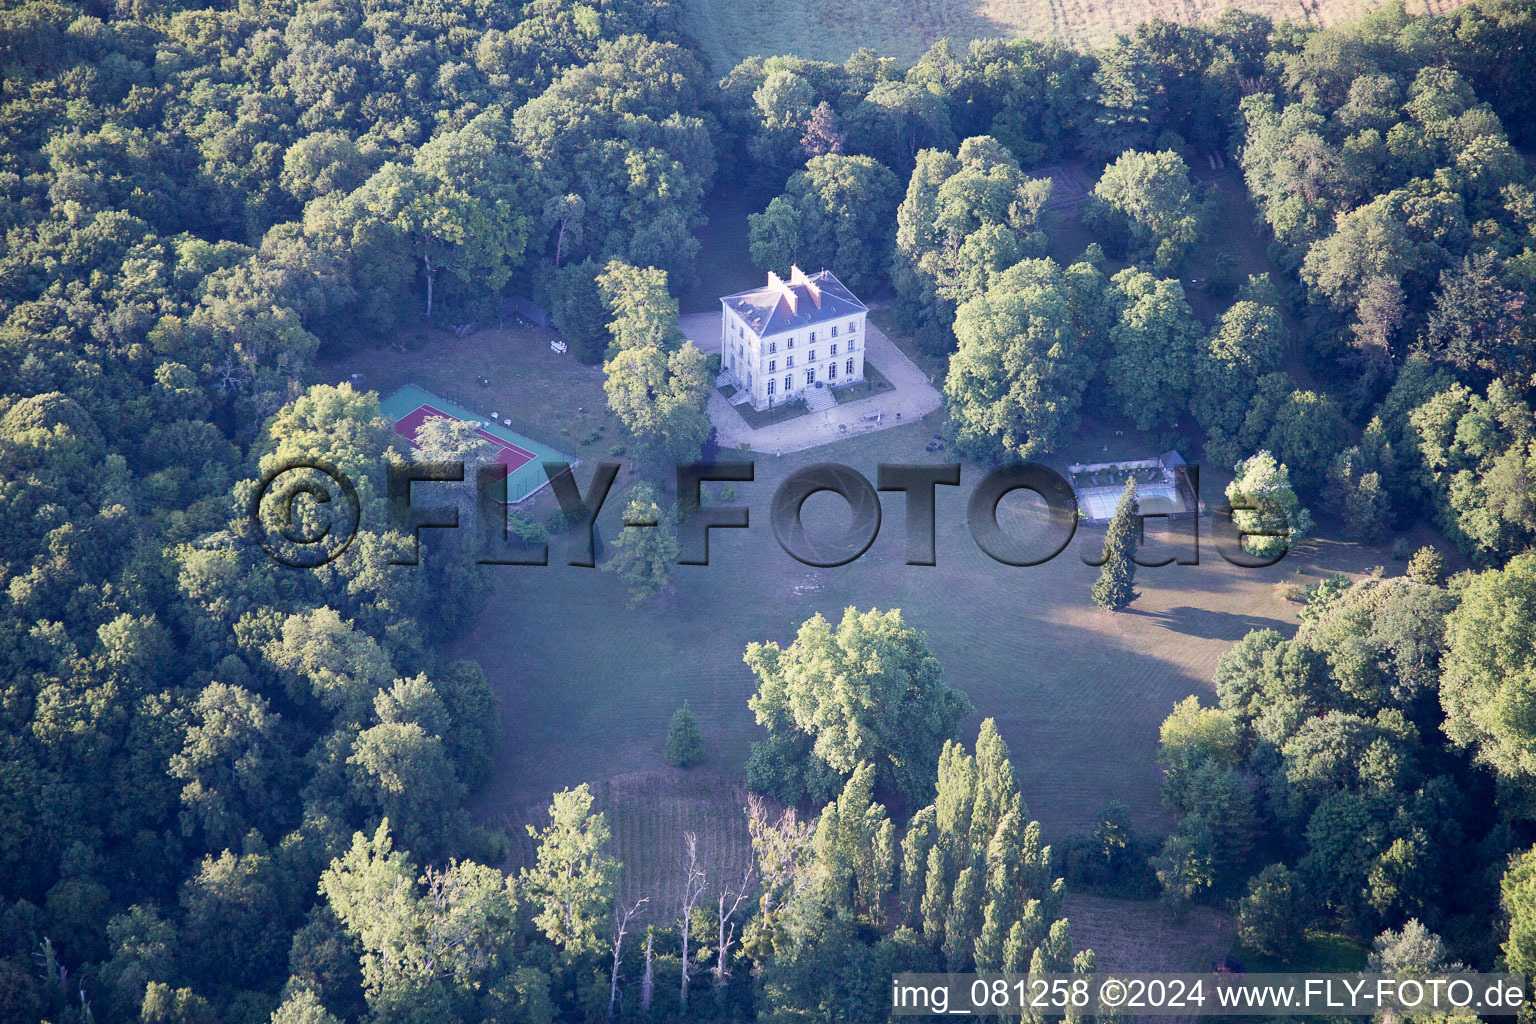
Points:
[(1099, 502)]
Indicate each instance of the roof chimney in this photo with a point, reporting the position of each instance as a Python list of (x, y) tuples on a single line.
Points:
[(797, 277), (777, 283)]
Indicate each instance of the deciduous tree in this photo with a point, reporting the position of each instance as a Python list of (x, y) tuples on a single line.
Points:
[(868, 690)]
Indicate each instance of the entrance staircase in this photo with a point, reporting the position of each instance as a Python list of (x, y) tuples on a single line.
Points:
[(820, 399)]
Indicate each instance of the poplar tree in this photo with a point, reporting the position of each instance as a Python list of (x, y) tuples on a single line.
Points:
[(988, 953), (572, 881), (963, 919), (1115, 587), (915, 847), (935, 889)]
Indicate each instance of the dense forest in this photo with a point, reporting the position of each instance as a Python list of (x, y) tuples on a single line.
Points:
[(234, 792)]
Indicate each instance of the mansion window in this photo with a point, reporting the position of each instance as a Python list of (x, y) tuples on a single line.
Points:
[(789, 342), (834, 348), (810, 375), (813, 355), (789, 361), (834, 332), (773, 347), (813, 335), (832, 371), (773, 366), (850, 367), (850, 345), (771, 385), (789, 384), (853, 325)]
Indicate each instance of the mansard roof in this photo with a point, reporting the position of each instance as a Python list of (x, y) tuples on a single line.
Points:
[(802, 301)]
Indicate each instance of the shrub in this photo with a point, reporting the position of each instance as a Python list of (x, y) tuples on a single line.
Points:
[(526, 530), (1427, 566), (1271, 917), (1113, 861), (685, 742), (1291, 591), (1401, 549)]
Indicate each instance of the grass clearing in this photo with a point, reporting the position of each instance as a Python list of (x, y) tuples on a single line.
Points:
[(725, 264), (1145, 936), (1318, 951), (587, 686), (549, 397), (732, 30)]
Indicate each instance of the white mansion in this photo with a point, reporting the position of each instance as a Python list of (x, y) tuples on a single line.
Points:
[(791, 337)]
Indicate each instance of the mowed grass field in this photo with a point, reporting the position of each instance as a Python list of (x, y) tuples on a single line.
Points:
[(732, 30), (587, 685)]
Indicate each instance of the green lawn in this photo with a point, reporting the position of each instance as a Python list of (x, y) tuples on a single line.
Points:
[(587, 685), (1318, 951)]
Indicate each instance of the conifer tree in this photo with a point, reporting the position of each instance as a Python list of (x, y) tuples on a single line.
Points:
[(685, 741), (643, 556), (1115, 587)]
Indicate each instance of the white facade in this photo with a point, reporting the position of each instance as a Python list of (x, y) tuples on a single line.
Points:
[(781, 341)]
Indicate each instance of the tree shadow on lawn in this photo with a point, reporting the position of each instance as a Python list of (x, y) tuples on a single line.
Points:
[(1212, 625)]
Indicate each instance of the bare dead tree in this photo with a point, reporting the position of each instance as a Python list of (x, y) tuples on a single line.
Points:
[(621, 918), (693, 887), (231, 376), (648, 980), (565, 212), (727, 934), (783, 850)]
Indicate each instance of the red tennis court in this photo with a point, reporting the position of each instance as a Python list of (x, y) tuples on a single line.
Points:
[(511, 456)]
